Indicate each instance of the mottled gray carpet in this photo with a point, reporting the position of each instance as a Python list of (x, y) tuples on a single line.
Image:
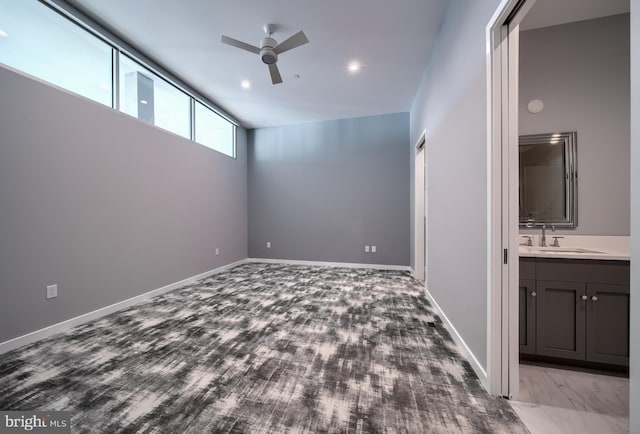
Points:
[(262, 348)]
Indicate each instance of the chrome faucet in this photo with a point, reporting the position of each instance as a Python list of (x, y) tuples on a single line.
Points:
[(543, 238)]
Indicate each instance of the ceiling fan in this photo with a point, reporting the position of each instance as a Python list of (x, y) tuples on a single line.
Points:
[(269, 49)]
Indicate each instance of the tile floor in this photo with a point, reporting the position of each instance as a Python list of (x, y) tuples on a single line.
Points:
[(556, 400)]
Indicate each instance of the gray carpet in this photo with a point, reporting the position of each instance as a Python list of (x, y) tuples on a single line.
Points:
[(262, 348)]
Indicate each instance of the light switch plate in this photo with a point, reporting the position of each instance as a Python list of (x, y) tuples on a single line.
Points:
[(374, 249)]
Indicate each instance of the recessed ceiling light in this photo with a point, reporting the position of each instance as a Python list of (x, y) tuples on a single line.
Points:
[(144, 101), (3, 33), (246, 84), (354, 67)]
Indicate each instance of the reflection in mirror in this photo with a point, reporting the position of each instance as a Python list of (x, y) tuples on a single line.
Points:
[(548, 180)]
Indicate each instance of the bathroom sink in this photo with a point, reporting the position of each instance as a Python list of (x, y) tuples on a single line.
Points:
[(568, 250)]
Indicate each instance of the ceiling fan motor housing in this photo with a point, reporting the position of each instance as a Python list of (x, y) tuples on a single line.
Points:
[(267, 54)]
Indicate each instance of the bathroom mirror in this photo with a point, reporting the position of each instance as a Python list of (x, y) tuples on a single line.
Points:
[(548, 180)]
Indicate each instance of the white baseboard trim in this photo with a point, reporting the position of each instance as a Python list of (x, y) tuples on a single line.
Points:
[(90, 316), (464, 348), (332, 264)]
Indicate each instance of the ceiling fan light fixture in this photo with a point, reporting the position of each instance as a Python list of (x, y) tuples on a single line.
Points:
[(268, 56)]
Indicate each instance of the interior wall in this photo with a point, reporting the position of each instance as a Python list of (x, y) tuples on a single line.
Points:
[(103, 205), (451, 104), (321, 191), (635, 218), (581, 72)]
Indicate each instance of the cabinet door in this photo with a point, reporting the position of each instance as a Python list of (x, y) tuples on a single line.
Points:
[(608, 323), (527, 312), (561, 319)]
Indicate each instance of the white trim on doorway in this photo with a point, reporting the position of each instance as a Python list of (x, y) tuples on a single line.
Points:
[(502, 196)]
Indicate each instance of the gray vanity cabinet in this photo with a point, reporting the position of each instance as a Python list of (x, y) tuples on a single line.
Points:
[(575, 309), (527, 306)]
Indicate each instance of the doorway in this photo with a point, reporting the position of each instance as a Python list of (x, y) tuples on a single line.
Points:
[(420, 188), (503, 38)]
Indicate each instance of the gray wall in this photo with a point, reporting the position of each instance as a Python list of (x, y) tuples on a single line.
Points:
[(321, 191), (581, 73), (103, 205), (635, 217), (451, 105)]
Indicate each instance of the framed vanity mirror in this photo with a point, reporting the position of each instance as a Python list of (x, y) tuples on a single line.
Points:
[(548, 180)]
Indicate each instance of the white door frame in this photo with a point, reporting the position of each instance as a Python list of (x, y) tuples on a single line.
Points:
[(502, 36), (420, 209)]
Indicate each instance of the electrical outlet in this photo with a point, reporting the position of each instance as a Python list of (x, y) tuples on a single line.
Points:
[(268, 244), (52, 291), (373, 249), (217, 251), (366, 249)]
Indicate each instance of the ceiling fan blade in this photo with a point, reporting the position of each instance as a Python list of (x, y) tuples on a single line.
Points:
[(294, 41), (275, 74), (239, 44)]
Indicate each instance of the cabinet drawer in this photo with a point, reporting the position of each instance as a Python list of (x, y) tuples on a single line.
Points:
[(583, 270)]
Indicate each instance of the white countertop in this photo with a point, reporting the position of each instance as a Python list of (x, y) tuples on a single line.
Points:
[(613, 248)]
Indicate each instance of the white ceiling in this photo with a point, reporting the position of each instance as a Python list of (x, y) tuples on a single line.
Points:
[(546, 13), (391, 39)]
